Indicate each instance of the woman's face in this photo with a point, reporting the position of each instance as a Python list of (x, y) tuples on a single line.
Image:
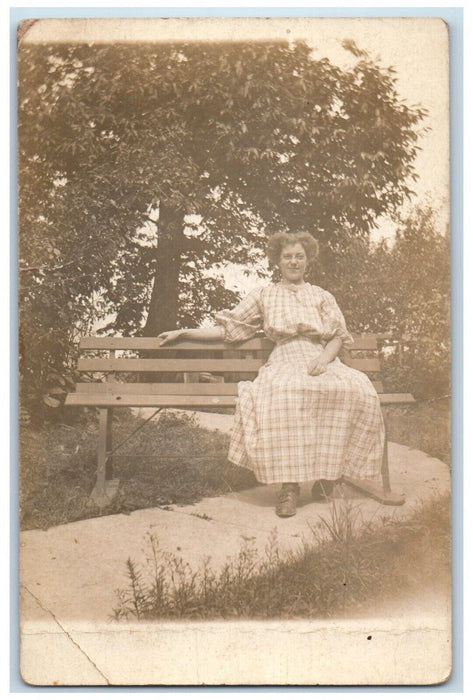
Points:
[(293, 263)]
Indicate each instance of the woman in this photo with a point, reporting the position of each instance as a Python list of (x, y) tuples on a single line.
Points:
[(306, 416)]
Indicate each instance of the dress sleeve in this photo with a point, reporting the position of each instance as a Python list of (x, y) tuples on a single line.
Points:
[(244, 321), (333, 321)]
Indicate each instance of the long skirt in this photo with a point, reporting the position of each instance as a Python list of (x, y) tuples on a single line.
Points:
[(291, 427)]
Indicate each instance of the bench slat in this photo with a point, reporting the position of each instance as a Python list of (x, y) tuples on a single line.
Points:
[(196, 388), (148, 400), (396, 398), (363, 364), (171, 365), (94, 364), (103, 400), (366, 342), (378, 386), (91, 343)]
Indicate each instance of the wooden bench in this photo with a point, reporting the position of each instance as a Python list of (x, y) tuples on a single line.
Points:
[(184, 365)]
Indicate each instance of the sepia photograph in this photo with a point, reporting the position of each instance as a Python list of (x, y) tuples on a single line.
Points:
[(235, 363)]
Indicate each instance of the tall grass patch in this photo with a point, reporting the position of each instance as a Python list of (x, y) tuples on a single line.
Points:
[(346, 565), (424, 426), (171, 461)]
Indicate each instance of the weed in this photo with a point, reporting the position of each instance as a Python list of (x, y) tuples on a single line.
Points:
[(342, 521), (343, 568)]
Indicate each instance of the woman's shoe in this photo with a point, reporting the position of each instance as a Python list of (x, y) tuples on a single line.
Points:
[(323, 489), (287, 500)]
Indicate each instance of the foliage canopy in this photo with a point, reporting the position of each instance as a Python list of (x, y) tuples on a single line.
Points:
[(141, 165)]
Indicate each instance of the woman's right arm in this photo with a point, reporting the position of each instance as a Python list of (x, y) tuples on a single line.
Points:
[(212, 333), (241, 323)]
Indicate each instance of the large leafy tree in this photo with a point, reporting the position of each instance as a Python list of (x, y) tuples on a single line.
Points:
[(142, 165)]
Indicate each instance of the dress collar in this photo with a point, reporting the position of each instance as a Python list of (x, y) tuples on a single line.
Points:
[(293, 287)]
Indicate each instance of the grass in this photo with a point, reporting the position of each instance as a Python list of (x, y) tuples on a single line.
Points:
[(424, 426), (58, 462), (337, 574), (58, 468)]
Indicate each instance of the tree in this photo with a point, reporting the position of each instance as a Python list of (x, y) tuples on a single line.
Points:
[(211, 146), (403, 288), (419, 284)]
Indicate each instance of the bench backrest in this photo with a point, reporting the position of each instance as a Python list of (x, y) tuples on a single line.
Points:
[(226, 362)]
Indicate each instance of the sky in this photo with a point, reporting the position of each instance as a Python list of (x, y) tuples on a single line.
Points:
[(417, 48)]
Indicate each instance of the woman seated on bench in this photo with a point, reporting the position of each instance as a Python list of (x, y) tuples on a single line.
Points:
[(306, 416)]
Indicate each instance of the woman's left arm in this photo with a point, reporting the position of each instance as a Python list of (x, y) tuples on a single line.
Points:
[(335, 332), (329, 353)]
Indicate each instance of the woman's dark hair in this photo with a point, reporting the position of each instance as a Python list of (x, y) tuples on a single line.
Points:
[(280, 240)]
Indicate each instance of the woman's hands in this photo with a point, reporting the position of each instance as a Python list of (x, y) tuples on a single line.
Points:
[(330, 352), (317, 366), (168, 337)]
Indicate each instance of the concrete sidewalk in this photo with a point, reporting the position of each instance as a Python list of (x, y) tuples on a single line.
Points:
[(70, 574)]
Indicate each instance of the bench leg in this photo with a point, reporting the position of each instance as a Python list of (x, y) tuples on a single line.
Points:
[(383, 493), (384, 463), (105, 487)]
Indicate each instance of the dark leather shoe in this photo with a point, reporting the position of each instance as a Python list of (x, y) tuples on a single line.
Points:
[(323, 489), (287, 500)]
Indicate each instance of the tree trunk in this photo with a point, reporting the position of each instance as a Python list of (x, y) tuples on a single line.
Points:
[(163, 309)]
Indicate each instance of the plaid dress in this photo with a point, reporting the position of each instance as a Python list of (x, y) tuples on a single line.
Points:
[(290, 426)]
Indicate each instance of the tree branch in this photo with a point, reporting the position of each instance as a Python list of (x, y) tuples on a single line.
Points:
[(47, 269)]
